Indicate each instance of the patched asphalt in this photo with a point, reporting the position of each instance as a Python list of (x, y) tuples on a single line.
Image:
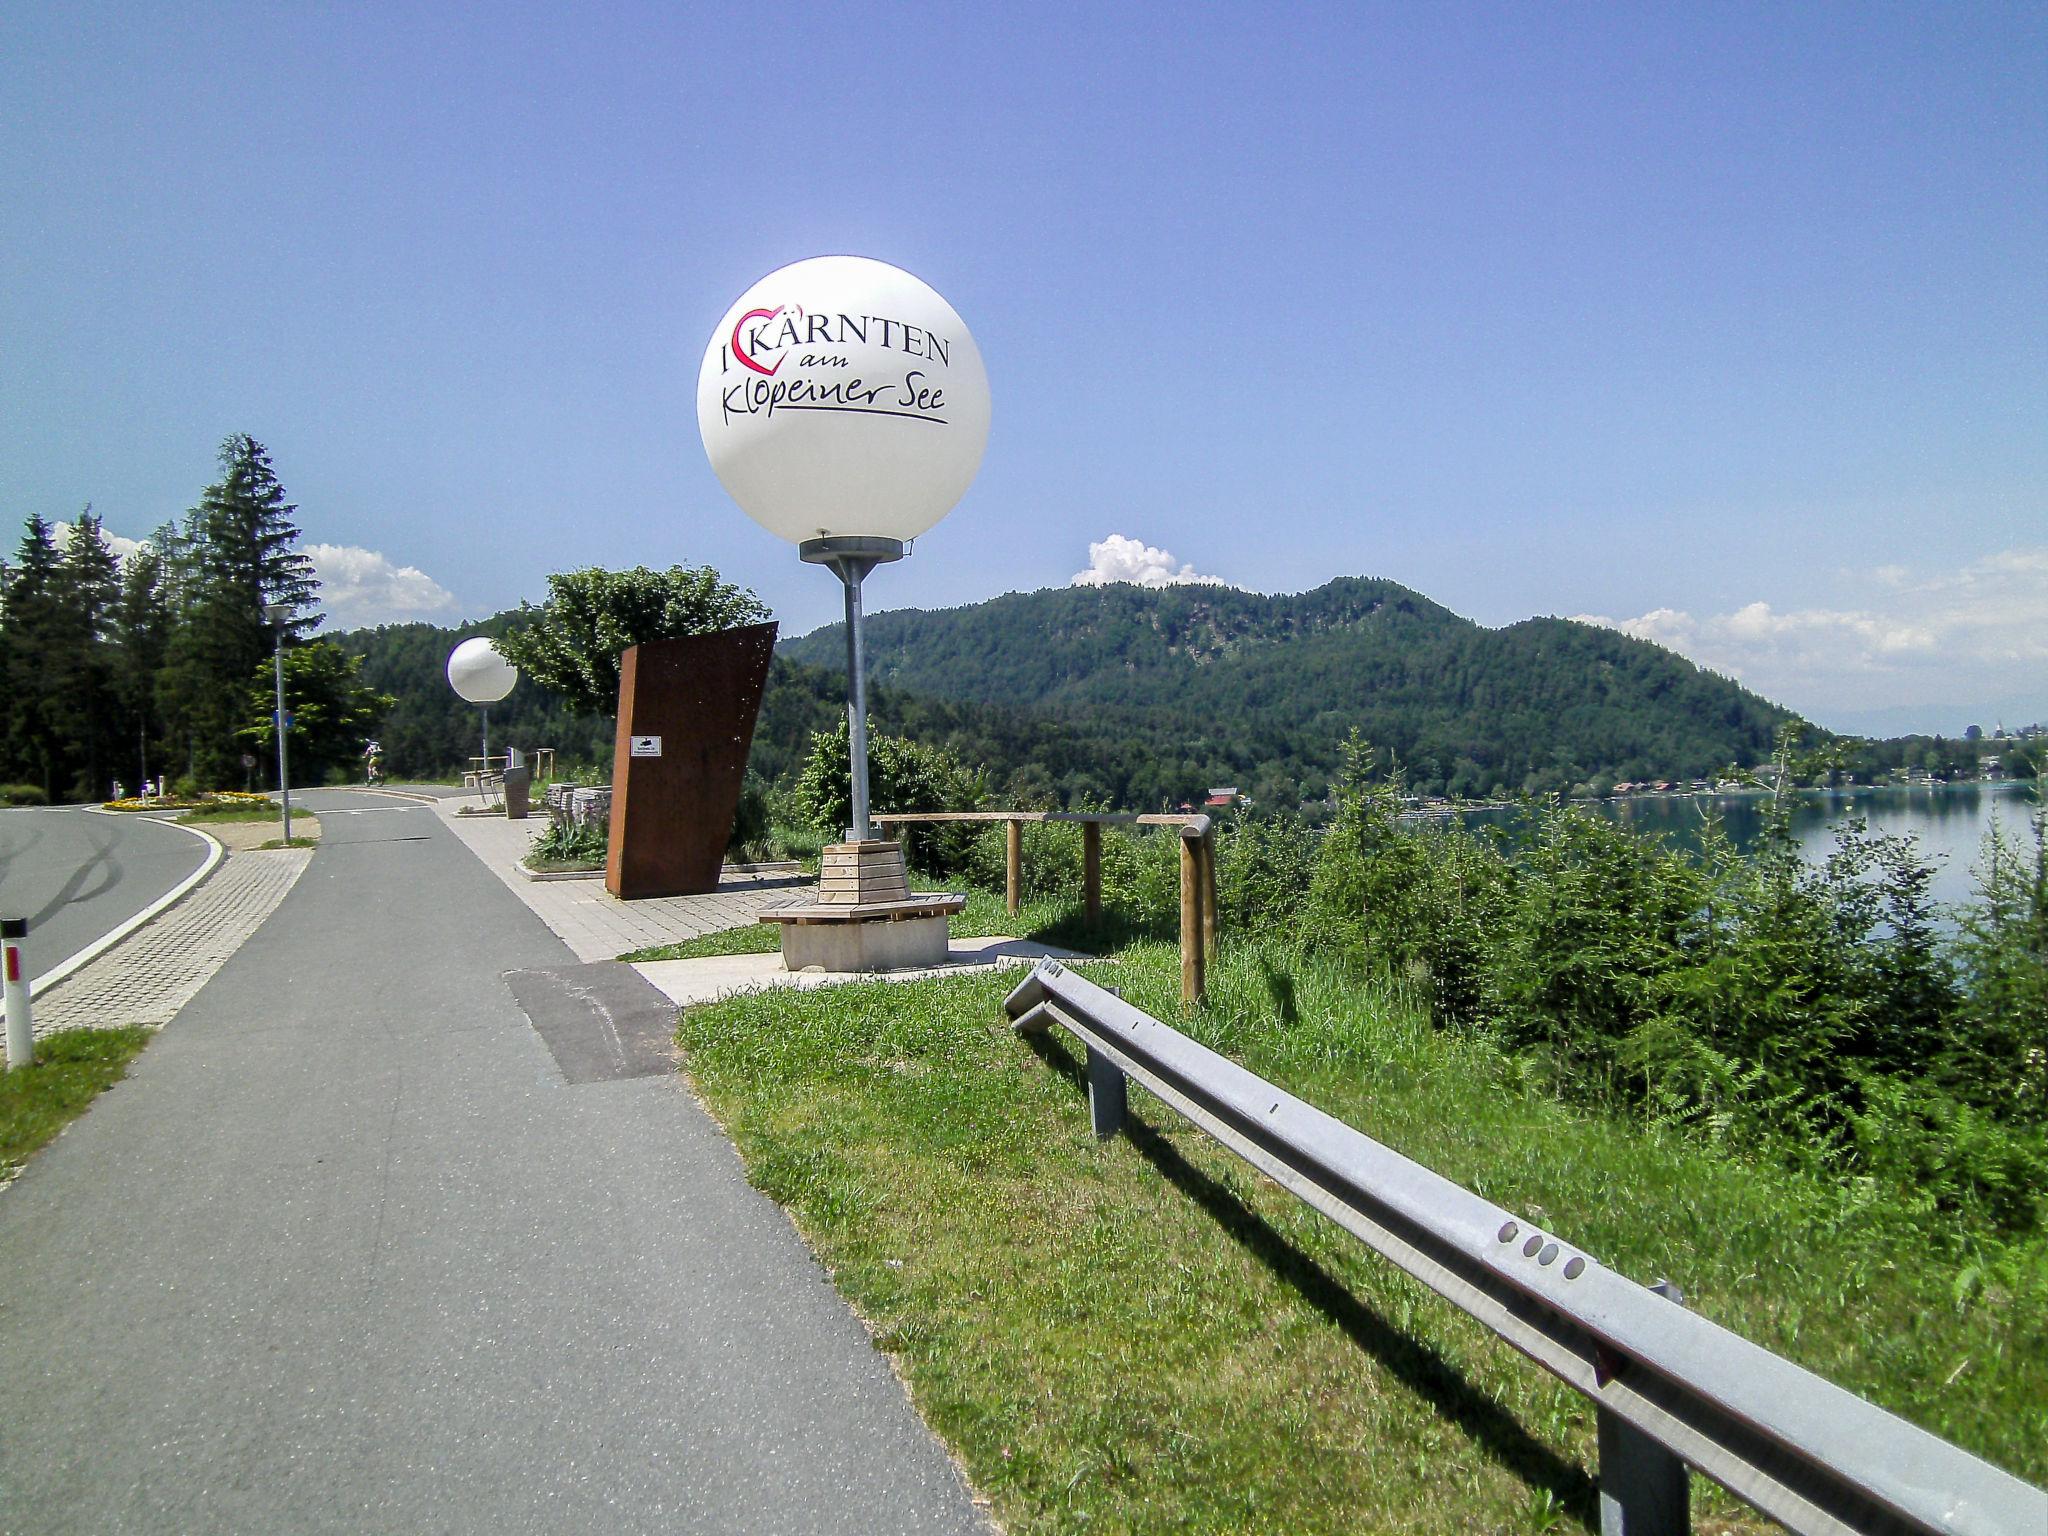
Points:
[(348, 1251)]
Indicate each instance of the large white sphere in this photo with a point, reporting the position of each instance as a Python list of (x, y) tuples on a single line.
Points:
[(478, 673), (842, 397)]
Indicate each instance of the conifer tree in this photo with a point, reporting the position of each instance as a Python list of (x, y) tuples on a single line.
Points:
[(238, 556), (31, 623), (141, 635), (84, 708)]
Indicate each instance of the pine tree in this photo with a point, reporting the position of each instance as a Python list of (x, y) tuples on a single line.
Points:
[(237, 557), (84, 708), (31, 621), (142, 633)]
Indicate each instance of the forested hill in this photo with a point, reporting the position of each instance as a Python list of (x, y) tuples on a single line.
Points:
[(1230, 686)]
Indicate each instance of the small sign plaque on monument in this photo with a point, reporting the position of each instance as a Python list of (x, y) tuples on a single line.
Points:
[(646, 746)]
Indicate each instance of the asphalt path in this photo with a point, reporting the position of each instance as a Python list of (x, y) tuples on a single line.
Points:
[(346, 1252), (77, 875)]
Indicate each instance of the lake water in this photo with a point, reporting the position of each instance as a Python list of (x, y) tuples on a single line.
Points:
[(1949, 821)]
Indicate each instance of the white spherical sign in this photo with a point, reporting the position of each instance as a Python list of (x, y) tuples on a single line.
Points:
[(478, 674), (841, 397)]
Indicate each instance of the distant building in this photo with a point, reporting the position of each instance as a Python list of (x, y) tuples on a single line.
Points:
[(1222, 799)]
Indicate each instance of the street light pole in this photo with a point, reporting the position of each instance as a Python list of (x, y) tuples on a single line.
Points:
[(851, 559), (278, 613)]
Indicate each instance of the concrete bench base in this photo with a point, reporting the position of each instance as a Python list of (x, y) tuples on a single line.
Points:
[(872, 936)]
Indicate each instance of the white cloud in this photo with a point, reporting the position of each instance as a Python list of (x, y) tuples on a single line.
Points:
[(60, 534), (1118, 558), (360, 587), (1912, 638)]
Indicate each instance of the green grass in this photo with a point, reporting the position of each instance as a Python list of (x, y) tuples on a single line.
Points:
[(1049, 920), (1144, 1335), (296, 842), (218, 814), (72, 1067)]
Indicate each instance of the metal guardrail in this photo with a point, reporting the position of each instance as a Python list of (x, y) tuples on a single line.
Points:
[(1671, 1388)]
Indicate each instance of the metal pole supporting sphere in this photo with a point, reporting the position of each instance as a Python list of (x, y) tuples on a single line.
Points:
[(849, 475), (852, 559)]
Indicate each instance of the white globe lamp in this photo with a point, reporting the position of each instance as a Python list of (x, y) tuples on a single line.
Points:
[(479, 675), (844, 406)]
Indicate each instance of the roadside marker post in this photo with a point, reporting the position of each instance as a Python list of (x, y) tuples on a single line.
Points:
[(21, 1033)]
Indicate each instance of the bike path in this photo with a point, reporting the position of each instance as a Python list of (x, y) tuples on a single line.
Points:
[(347, 1253)]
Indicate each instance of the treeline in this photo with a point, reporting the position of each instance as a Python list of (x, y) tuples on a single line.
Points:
[(429, 733), (1159, 692), (2018, 756), (159, 665)]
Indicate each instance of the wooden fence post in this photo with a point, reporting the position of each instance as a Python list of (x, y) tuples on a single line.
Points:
[(1194, 982), (1091, 867), (1209, 892), (1015, 861)]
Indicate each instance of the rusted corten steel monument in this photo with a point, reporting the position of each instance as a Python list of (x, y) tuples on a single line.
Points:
[(687, 709)]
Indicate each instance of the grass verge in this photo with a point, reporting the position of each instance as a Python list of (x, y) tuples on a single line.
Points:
[(72, 1068), (1049, 920), (228, 815), (1147, 1336)]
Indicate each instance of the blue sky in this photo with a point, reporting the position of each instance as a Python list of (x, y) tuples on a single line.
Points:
[(1726, 324)]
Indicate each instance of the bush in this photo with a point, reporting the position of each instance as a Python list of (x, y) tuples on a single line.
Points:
[(902, 776), (22, 794), (571, 842), (750, 821)]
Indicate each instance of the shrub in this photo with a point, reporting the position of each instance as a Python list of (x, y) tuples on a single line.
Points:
[(902, 776), (571, 842), (22, 794)]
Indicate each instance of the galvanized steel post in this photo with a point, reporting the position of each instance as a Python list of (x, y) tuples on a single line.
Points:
[(1108, 1095), (1644, 1489)]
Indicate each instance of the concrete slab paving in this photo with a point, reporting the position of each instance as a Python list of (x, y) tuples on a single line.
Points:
[(347, 1253), (685, 982), (595, 924)]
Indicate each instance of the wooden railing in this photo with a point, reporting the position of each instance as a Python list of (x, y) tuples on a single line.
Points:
[(1197, 871)]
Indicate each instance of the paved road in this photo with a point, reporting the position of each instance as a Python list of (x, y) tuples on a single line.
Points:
[(347, 1253), (76, 875)]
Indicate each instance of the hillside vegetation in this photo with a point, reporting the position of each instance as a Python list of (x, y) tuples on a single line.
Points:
[(1139, 697), (1164, 688)]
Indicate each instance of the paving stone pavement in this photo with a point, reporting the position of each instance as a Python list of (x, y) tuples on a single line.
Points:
[(155, 971), (595, 924)]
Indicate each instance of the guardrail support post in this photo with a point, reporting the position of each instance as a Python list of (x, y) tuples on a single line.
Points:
[(1194, 979), (21, 1028), (1108, 1095), (1091, 867), (1644, 1489), (1014, 864)]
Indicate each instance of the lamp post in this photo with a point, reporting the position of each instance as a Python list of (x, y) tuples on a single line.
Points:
[(279, 615), (844, 406), (479, 675)]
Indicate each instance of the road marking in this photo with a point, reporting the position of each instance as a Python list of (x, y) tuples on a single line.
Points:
[(216, 851), (370, 810)]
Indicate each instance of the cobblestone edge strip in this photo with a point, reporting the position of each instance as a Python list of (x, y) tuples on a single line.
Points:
[(216, 851), (150, 980)]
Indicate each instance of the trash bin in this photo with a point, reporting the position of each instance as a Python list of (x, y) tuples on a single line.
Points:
[(518, 782)]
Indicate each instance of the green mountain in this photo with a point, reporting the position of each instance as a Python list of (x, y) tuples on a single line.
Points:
[(1150, 694), (1141, 697)]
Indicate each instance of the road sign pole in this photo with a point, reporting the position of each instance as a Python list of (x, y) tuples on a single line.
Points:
[(21, 1030)]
